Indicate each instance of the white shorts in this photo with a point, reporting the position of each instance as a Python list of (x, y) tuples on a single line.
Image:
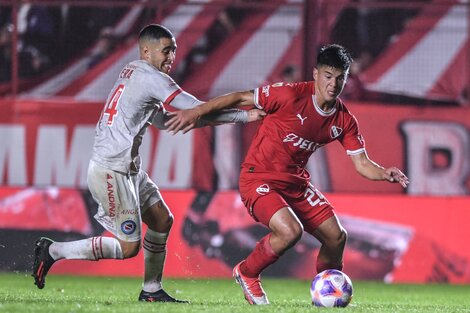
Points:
[(122, 199)]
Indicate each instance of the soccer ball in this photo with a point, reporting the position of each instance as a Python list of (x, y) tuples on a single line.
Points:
[(331, 288)]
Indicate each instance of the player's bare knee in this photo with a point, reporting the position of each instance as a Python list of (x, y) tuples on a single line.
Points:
[(339, 240), (290, 234), (343, 237), (168, 221), (164, 224), (130, 249)]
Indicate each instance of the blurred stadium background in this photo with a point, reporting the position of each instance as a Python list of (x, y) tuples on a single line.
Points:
[(409, 88)]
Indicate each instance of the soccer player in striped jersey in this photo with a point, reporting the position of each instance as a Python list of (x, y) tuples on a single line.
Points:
[(126, 196)]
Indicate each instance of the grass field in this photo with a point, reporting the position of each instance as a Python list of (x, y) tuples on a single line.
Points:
[(104, 294)]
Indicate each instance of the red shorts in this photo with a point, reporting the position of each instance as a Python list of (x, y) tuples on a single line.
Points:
[(264, 197)]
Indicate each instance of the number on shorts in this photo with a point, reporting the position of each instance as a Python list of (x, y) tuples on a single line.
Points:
[(310, 193), (110, 108)]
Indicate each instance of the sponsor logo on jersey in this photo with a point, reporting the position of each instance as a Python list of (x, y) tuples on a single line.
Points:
[(128, 227), (301, 143), (129, 212), (265, 91), (263, 189), (302, 119), (335, 131), (111, 196)]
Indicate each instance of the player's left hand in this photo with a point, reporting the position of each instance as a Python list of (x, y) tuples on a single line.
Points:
[(183, 120), (394, 175)]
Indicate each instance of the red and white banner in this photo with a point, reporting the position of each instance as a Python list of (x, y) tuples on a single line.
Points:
[(51, 208), (434, 44), (49, 143), (394, 238)]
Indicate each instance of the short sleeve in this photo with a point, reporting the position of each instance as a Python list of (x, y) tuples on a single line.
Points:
[(162, 87), (270, 98), (181, 101), (352, 140)]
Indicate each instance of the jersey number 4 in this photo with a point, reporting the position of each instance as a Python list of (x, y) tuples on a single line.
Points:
[(110, 109)]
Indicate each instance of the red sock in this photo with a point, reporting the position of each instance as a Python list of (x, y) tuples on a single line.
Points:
[(261, 257), (321, 266)]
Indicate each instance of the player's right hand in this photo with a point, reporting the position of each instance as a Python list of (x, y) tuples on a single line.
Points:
[(183, 120)]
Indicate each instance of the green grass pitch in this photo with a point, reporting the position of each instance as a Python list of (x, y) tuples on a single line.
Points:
[(105, 294)]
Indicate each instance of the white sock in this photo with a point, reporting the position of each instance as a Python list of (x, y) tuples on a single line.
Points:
[(93, 248), (154, 259)]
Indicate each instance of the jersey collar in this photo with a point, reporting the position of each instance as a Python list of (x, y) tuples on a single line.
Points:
[(320, 111)]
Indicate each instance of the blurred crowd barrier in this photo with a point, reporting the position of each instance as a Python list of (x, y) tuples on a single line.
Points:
[(406, 52)]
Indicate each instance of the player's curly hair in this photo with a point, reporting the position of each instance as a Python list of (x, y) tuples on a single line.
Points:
[(155, 32), (334, 55)]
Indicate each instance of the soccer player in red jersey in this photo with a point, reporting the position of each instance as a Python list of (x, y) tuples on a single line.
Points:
[(274, 184)]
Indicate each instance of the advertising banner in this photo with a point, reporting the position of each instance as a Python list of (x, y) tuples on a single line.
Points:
[(49, 143), (394, 238)]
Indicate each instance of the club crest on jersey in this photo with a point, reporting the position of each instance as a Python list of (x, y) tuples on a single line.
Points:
[(263, 189), (335, 131), (128, 227)]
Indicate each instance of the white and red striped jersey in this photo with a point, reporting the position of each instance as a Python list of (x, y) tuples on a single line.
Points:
[(140, 97), (137, 100)]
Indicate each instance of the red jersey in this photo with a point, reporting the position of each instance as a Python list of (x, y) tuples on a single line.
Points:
[(294, 128)]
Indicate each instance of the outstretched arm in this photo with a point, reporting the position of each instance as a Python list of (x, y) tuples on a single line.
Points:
[(186, 120), (227, 116), (371, 170)]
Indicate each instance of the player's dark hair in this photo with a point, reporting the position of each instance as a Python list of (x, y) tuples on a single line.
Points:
[(155, 32), (335, 56)]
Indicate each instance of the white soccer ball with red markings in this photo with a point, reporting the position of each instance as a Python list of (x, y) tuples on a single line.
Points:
[(331, 288)]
